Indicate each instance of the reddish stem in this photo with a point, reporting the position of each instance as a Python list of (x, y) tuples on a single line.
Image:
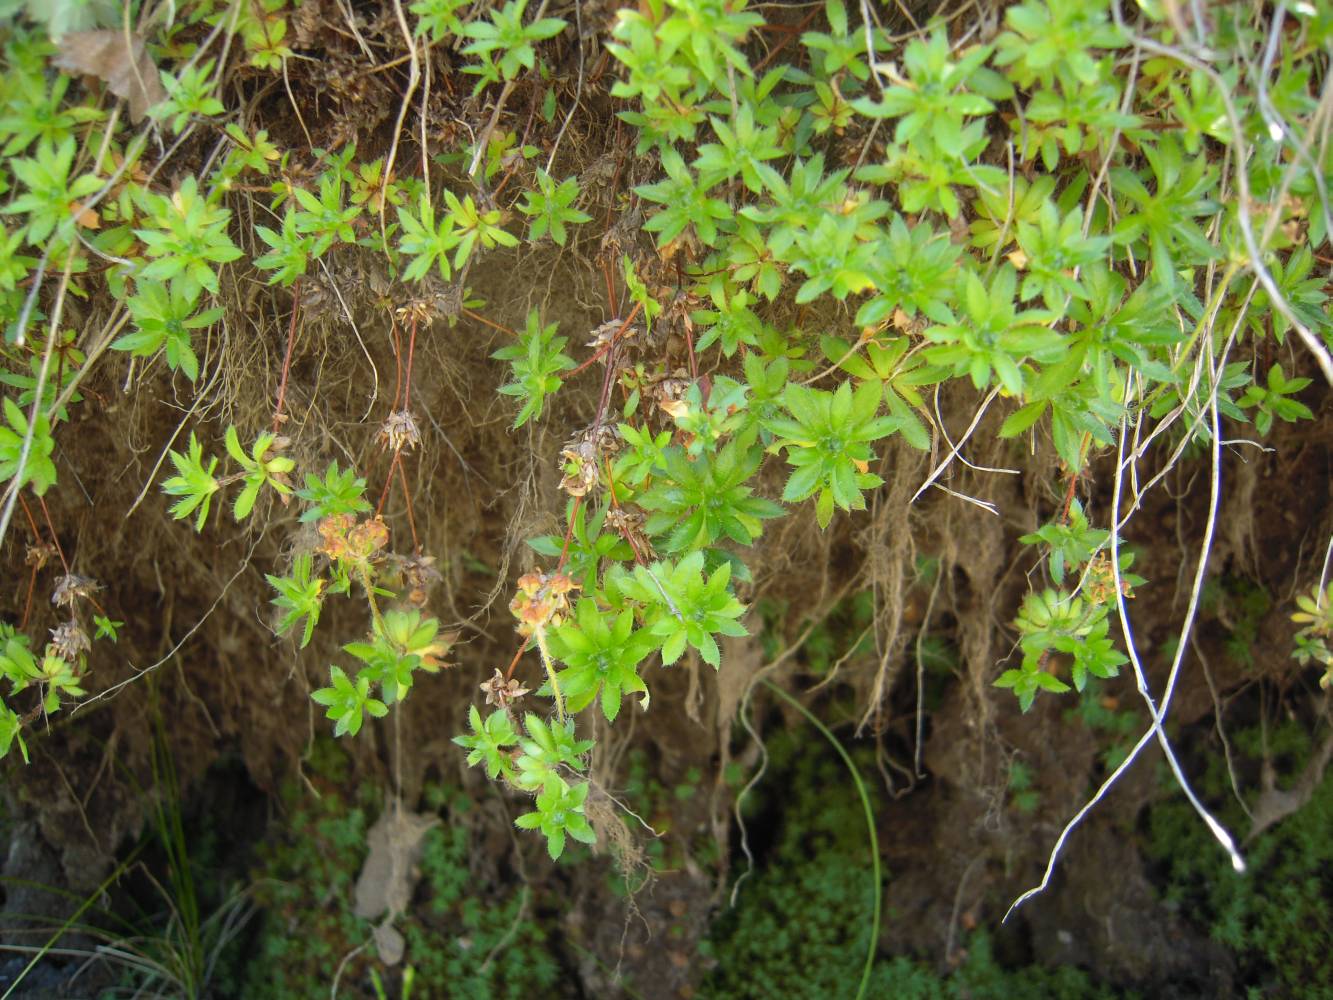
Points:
[(517, 656), (1069, 496), (55, 540), (491, 323), (411, 517), (605, 399), (32, 579), (397, 360), (601, 351), (789, 34), (27, 605), (36, 534), (388, 481)]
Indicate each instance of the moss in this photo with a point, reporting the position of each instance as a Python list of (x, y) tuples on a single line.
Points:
[(470, 945), (1277, 918), (462, 940), (304, 885), (801, 926)]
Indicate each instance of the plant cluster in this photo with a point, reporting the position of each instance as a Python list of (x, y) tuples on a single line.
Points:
[(1315, 618), (1094, 221)]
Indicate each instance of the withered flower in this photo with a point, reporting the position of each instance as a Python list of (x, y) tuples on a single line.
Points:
[(580, 473), (629, 524), (419, 310), (400, 431), (40, 554), (502, 693), (333, 534), (368, 537), (69, 641), (71, 587), (583, 457), (1099, 587), (606, 333), (448, 303), (419, 575), (668, 392)]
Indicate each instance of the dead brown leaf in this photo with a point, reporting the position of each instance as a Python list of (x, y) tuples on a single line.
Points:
[(117, 58), (86, 217), (389, 943), (385, 882)]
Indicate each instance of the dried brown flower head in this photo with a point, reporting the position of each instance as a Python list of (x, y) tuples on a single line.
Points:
[(580, 473), (419, 575), (633, 336), (447, 301), (39, 555), (668, 391), (629, 524), (583, 457), (69, 641), (71, 587), (418, 309), (400, 431), (502, 693)]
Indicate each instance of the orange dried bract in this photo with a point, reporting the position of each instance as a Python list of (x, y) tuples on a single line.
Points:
[(333, 534), (342, 537), (541, 601), (560, 583), (368, 537), (432, 656), (530, 583)]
